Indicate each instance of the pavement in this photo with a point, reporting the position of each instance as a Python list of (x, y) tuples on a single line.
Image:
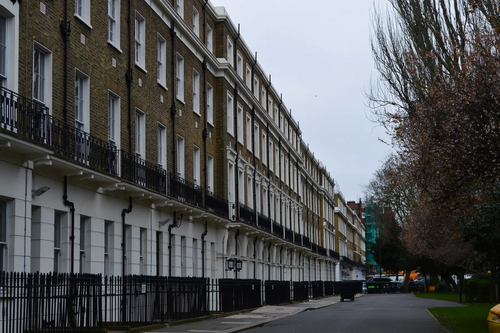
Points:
[(245, 320)]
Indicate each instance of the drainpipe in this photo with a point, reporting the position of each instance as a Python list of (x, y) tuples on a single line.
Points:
[(129, 78), (124, 258), (255, 258), (205, 130), (253, 162), (281, 263), (236, 236), (170, 227), (65, 31), (203, 250), (173, 110), (269, 261), (237, 182), (71, 206)]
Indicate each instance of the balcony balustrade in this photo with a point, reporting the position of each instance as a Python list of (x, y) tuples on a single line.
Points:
[(277, 229), (185, 191), (288, 235), (247, 215), (322, 251), (297, 238), (31, 120), (216, 204), (334, 254), (143, 173), (306, 242), (264, 222)]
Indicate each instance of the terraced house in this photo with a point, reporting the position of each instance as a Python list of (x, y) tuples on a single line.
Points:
[(144, 138)]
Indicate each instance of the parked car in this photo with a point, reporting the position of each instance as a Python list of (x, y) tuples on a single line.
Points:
[(416, 286), (387, 285)]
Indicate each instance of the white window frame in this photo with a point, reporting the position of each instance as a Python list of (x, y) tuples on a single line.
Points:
[(179, 69), (230, 114), (82, 11), (196, 92), (140, 41), (196, 22), (256, 136), (265, 194), (180, 156), (269, 104), (248, 76), (4, 237), (179, 7), (196, 166), (143, 241), (256, 87), (264, 147), (258, 204), (239, 64), (210, 39), (57, 241), (162, 146), (210, 173), (108, 225), (114, 119), (249, 191), (83, 243), (249, 133), (230, 51), (241, 185), (4, 50), (140, 133), (45, 94), (82, 101), (114, 23), (271, 156), (263, 99), (210, 100), (161, 64), (276, 114), (239, 122), (277, 160)]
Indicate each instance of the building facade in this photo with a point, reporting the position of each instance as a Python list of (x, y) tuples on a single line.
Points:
[(143, 137)]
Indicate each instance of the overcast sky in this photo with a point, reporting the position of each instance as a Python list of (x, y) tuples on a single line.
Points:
[(318, 54)]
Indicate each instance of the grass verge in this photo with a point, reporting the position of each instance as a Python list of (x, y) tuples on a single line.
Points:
[(467, 319)]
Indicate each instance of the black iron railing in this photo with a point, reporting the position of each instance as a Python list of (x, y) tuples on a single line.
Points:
[(247, 215), (277, 292), (239, 294), (36, 302), (30, 119), (348, 261), (277, 229), (143, 173), (333, 254), (264, 222), (185, 191), (297, 238), (216, 204), (289, 235), (314, 248), (306, 242), (322, 251)]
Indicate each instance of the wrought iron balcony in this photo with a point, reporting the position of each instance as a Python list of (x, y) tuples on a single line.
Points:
[(216, 204), (306, 242), (247, 215), (31, 120), (334, 254), (277, 229), (322, 251), (349, 261), (297, 238), (264, 222), (314, 248), (185, 191), (143, 173), (288, 235)]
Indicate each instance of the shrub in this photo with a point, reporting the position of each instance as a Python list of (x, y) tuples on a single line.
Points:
[(442, 287), (477, 290)]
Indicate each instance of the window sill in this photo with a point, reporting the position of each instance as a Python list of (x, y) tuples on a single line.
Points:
[(181, 100), (84, 21), (116, 47), (197, 113), (141, 67), (163, 85)]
